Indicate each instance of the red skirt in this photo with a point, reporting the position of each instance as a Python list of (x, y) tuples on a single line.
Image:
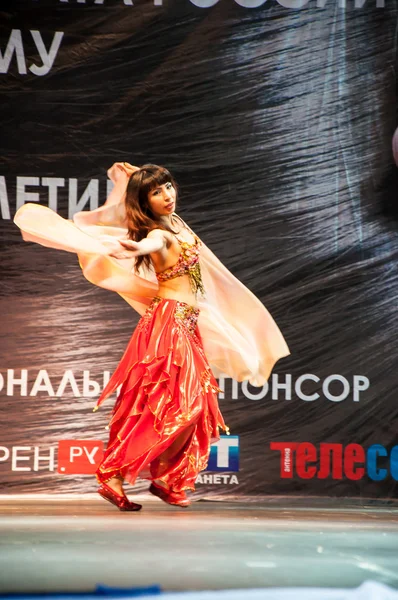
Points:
[(166, 414)]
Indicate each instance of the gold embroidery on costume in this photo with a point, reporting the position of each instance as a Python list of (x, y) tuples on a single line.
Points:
[(187, 264), (187, 315)]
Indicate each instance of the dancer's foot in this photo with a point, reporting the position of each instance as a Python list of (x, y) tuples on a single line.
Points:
[(170, 497), (119, 500), (116, 484)]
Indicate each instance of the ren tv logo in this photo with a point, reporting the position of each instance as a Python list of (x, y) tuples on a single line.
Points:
[(82, 457), (79, 457)]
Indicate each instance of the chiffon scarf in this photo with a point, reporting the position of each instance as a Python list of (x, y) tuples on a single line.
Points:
[(240, 337)]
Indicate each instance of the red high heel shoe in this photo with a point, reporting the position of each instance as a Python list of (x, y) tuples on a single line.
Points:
[(170, 497), (122, 502)]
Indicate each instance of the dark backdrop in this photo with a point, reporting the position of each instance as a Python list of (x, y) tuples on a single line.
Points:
[(277, 123)]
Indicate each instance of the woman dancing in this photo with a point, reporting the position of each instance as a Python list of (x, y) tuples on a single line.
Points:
[(166, 414)]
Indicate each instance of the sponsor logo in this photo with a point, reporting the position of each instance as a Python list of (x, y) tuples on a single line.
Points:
[(336, 461), (224, 454), (79, 457), (223, 459)]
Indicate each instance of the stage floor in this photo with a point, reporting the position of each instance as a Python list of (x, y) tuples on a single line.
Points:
[(57, 544)]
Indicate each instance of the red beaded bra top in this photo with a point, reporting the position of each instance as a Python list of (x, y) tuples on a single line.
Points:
[(187, 264)]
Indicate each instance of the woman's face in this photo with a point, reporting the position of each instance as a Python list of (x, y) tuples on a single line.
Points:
[(162, 200)]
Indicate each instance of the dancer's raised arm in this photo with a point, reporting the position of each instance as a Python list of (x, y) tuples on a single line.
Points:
[(125, 248)]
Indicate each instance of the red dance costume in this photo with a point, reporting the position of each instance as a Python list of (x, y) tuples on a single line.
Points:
[(166, 414)]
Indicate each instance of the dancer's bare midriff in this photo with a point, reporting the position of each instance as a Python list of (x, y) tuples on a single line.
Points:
[(178, 289)]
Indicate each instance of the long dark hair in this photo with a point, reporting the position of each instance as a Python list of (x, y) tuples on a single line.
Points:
[(140, 218)]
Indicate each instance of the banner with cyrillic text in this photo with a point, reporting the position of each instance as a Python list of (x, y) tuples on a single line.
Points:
[(276, 118)]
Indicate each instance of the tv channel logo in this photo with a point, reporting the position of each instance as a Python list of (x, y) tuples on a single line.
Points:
[(79, 457), (224, 454)]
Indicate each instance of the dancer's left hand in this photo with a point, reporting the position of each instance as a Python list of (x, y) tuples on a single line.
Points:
[(120, 248)]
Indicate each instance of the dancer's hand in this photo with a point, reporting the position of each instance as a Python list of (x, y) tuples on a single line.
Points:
[(120, 248), (132, 248), (121, 170), (125, 248), (129, 169)]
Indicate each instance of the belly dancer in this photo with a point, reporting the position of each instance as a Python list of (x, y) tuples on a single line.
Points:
[(166, 414)]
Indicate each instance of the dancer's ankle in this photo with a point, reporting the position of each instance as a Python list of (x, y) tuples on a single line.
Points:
[(161, 484), (116, 484)]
